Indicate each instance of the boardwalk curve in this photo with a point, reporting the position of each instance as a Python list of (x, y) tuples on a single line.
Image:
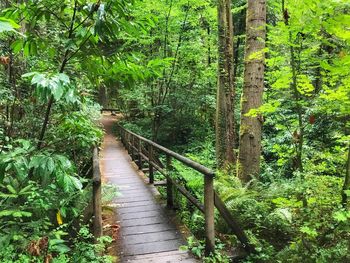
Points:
[(147, 232)]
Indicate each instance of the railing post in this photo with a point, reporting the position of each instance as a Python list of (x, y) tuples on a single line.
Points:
[(127, 138), (132, 146), (96, 196), (121, 135), (150, 158), (169, 184), (122, 132), (209, 214), (140, 154)]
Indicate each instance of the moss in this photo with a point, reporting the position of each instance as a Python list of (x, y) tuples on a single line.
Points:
[(244, 130)]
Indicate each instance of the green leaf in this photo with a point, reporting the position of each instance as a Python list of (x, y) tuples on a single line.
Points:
[(63, 78), (309, 231), (15, 213), (11, 189), (58, 245), (7, 25), (341, 216), (76, 182), (50, 165), (17, 46), (29, 74)]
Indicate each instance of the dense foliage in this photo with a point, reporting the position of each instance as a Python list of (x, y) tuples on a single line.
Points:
[(295, 212), (157, 62), (49, 124)]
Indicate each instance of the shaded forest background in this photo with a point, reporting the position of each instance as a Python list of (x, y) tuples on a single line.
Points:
[(160, 63)]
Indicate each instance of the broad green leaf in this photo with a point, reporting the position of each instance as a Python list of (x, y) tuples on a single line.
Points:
[(15, 213), (341, 216), (11, 189), (76, 182), (7, 25), (308, 231)]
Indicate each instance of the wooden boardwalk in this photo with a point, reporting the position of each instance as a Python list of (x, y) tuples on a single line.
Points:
[(147, 232)]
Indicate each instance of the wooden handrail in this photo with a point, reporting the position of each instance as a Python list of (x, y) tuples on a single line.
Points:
[(96, 196), (107, 109), (196, 166), (133, 143)]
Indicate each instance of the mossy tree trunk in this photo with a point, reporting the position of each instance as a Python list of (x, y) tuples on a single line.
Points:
[(248, 164), (225, 133)]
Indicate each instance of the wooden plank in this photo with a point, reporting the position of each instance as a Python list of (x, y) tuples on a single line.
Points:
[(144, 221), (132, 195), (162, 257), (136, 230), (152, 247), (134, 199), (137, 209), (134, 204), (149, 213), (130, 188), (152, 237)]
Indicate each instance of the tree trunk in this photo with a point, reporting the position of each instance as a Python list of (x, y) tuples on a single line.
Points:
[(102, 96), (225, 138), (248, 165)]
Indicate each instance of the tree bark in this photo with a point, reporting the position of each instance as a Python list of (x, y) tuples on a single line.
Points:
[(248, 165), (225, 133), (102, 96)]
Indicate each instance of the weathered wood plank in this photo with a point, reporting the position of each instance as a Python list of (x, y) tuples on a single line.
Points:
[(143, 221), (151, 237), (152, 247), (139, 215), (145, 227), (134, 204), (168, 257), (133, 230), (137, 209)]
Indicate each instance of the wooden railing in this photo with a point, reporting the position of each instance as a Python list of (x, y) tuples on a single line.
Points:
[(110, 110), (96, 196), (143, 151)]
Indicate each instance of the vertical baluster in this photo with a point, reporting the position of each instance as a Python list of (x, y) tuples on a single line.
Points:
[(96, 193), (209, 214), (150, 159), (128, 142), (169, 184), (140, 154), (132, 147)]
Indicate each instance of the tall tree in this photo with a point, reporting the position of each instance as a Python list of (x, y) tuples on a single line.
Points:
[(225, 132), (248, 165)]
